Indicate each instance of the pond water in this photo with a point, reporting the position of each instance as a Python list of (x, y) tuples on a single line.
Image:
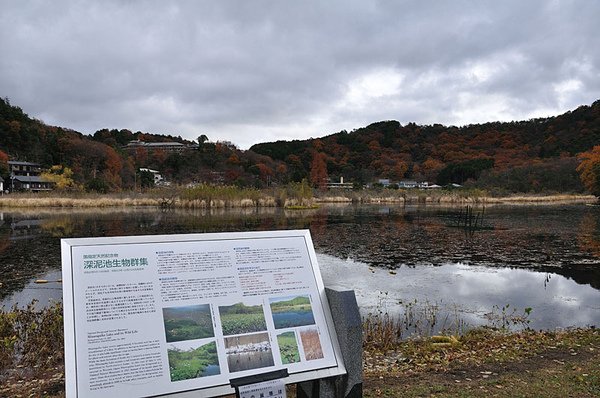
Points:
[(292, 319), (211, 370), (543, 257)]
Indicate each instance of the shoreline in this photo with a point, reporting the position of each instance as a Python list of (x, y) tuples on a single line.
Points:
[(267, 200), (460, 199)]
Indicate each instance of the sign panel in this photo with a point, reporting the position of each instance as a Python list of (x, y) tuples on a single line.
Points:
[(265, 389), (184, 314)]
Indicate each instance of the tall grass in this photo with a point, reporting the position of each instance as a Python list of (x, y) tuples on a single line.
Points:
[(295, 194), (413, 320), (14, 201), (444, 196), (291, 195), (208, 196)]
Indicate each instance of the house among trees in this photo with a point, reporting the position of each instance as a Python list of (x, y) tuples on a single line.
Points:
[(1, 184), (25, 176), (156, 177)]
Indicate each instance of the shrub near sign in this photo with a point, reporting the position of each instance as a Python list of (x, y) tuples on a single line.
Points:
[(182, 315)]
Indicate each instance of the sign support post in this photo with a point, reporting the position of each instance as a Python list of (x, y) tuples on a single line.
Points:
[(348, 326)]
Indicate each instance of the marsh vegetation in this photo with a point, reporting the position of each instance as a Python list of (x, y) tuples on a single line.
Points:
[(240, 318), (188, 323), (191, 363)]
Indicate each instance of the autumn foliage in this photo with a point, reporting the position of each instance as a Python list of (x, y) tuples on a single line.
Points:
[(3, 163), (318, 170), (589, 170), (538, 155)]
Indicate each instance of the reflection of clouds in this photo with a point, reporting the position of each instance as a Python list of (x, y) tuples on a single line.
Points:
[(561, 302), (45, 293)]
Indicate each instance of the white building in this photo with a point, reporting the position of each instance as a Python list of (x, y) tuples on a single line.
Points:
[(157, 177)]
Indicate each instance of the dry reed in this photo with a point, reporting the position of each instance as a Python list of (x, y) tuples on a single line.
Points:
[(229, 197)]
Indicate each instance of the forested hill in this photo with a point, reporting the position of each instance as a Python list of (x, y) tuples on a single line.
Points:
[(100, 162), (538, 155), (520, 156)]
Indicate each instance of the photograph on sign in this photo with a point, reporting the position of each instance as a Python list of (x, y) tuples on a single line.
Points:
[(169, 314)]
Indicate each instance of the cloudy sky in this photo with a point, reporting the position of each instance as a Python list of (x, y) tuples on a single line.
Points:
[(256, 71)]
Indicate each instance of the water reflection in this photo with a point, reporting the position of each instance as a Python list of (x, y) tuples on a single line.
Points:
[(472, 291), (546, 247), (589, 233)]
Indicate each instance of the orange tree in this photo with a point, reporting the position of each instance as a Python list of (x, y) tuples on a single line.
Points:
[(3, 164), (589, 170)]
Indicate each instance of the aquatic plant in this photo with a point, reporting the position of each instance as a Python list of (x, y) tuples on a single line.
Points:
[(508, 318), (31, 338), (414, 320)]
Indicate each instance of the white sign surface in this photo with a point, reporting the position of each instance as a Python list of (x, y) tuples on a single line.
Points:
[(266, 389), (184, 314)]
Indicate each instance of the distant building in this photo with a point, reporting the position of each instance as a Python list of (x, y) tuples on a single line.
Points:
[(176, 147), (25, 176), (426, 185), (340, 185), (407, 184), (1, 185), (24, 168)]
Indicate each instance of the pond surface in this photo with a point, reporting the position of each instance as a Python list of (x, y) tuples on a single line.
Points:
[(543, 257), (211, 370), (292, 319)]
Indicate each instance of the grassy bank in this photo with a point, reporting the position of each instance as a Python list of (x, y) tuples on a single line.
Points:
[(485, 361), (292, 196), (455, 196)]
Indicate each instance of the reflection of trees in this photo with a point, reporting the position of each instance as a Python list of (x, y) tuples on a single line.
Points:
[(18, 263), (554, 241), (581, 275), (59, 227), (533, 238), (588, 237), (4, 239), (589, 234)]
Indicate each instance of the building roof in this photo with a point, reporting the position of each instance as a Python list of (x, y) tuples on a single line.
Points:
[(154, 144), (29, 179), (164, 144), (150, 170), (19, 163)]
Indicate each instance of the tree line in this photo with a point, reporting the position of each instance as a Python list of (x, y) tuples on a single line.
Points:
[(537, 155)]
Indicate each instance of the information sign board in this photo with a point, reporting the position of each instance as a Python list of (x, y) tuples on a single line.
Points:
[(182, 315)]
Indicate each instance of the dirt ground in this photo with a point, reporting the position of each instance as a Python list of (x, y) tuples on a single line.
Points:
[(532, 364), (572, 370)]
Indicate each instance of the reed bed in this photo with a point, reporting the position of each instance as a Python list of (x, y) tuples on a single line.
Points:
[(459, 196), (545, 199), (14, 201), (291, 196)]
